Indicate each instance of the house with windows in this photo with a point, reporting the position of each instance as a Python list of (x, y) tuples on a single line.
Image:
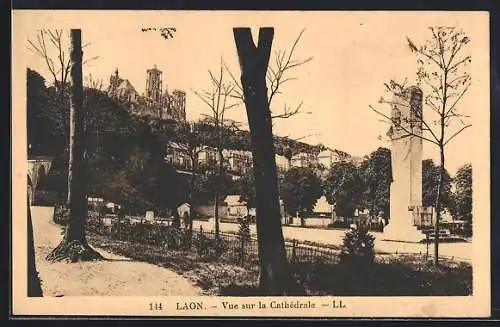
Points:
[(207, 157), (237, 162), (178, 156), (304, 159)]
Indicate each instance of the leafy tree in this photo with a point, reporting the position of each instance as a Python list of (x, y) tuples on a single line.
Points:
[(218, 99), (430, 182), (344, 188), (40, 125), (376, 173), (300, 190), (463, 194), (246, 188), (109, 128)]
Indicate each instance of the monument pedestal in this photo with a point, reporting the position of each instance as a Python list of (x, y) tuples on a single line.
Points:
[(402, 231)]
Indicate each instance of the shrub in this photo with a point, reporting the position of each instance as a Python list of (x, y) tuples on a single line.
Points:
[(96, 225), (207, 246), (358, 247), (122, 230), (244, 229), (61, 214), (244, 234), (174, 237), (201, 242)]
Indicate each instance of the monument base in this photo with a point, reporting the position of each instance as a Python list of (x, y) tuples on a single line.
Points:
[(402, 233)]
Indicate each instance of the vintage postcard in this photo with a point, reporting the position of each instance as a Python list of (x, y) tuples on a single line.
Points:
[(250, 164)]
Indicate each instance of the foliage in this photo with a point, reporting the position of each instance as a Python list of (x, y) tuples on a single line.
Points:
[(246, 188), (358, 247), (45, 136), (344, 188), (244, 234), (125, 153), (430, 181), (376, 173), (201, 242), (244, 229), (205, 185), (300, 190), (462, 197), (61, 214)]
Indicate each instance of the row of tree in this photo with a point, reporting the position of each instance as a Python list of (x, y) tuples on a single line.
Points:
[(349, 187)]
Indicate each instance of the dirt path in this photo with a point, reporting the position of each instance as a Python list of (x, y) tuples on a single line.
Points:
[(118, 276)]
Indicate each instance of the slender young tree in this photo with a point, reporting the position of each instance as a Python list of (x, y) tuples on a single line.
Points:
[(218, 99), (190, 144), (74, 244), (443, 73)]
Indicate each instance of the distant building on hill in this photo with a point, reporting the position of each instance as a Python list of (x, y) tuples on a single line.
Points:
[(155, 101)]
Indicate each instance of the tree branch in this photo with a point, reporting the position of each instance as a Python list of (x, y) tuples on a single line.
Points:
[(456, 133), (402, 127), (287, 113)]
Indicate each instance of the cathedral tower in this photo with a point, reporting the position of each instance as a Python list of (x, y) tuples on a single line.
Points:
[(154, 84)]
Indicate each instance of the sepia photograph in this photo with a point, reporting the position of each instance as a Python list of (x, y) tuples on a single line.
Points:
[(251, 163)]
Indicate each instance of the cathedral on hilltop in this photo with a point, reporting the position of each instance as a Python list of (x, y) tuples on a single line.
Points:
[(155, 101)]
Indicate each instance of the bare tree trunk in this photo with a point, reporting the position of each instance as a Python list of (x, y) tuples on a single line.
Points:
[(275, 273), (438, 207), (216, 212), (74, 245), (190, 196), (76, 183), (217, 189)]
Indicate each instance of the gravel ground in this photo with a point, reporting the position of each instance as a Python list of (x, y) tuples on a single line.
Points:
[(116, 276)]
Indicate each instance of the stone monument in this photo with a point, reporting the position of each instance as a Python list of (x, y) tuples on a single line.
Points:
[(406, 161)]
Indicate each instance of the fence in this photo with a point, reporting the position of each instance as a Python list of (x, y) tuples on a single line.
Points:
[(231, 247)]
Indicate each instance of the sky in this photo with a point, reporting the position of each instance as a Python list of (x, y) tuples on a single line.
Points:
[(354, 53)]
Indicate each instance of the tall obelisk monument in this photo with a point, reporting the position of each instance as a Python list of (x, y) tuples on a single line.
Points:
[(406, 161)]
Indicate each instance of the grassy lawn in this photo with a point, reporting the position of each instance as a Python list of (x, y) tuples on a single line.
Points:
[(390, 275)]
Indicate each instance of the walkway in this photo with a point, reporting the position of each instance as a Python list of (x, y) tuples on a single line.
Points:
[(119, 276)]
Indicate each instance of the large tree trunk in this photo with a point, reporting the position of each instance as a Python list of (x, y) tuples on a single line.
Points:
[(438, 208), (74, 245), (275, 274), (34, 287)]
